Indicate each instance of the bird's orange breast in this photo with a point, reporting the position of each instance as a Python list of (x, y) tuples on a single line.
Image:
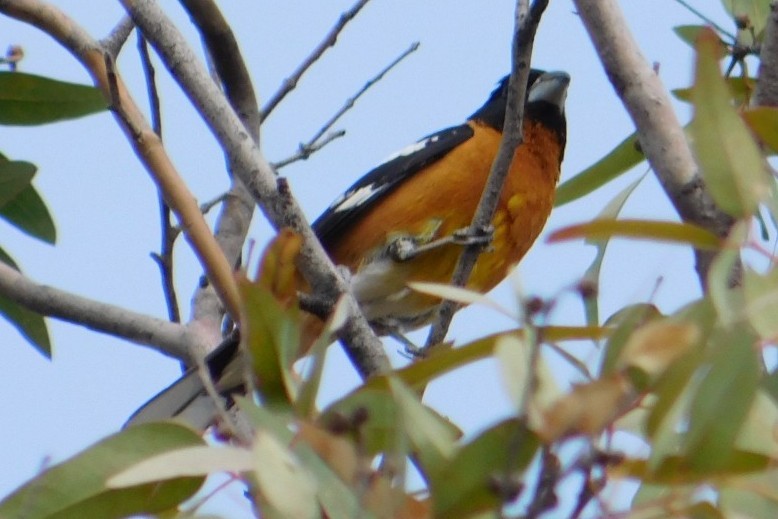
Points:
[(441, 199)]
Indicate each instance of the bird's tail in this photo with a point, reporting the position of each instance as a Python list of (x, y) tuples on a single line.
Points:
[(185, 399)]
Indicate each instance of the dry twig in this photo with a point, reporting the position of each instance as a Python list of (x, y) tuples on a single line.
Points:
[(526, 24), (329, 40)]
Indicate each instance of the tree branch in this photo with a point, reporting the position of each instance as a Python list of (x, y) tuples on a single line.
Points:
[(362, 346), (115, 40), (144, 141), (169, 338), (526, 24), (329, 41), (766, 93), (316, 142), (233, 222), (662, 138), (164, 258)]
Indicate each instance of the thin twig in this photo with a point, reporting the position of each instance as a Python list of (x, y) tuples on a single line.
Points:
[(706, 19), (206, 206), (545, 497), (115, 40), (305, 150), (319, 140), (169, 234), (329, 40), (349, 104), (526, 24)]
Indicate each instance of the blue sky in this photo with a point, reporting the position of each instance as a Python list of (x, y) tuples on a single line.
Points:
[(105, 205)]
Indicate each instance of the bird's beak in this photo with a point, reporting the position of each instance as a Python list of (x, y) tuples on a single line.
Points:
[(550, 87)]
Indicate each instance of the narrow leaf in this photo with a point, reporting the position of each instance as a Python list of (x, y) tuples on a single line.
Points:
[(28, 213), (199, 460), (672, 232), (763, 121), (30, 324), (729, 159), (15, 177), (77, 486), (722, 400), (621, 159), (27, 99)]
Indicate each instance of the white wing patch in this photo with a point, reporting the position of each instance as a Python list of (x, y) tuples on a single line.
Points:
[(413, 148), (355, 198), (362, 195)]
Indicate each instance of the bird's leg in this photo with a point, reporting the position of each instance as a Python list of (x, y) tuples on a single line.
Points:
[(404, 248)]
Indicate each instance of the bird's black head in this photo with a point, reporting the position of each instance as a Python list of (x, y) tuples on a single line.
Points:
[(545, 101)]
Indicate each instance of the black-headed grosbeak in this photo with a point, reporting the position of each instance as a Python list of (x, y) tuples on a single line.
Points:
[(420, 197)]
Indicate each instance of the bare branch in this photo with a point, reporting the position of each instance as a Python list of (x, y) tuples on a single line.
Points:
[(662, 138), (526, 25), (238, 209), (363, 347), (349, 104), (171, 339), (307, 149), (114, 42), (766, 93), (329, 40), (169, 233), (227, 59), (143, 139), (706, 19), (316, 143)]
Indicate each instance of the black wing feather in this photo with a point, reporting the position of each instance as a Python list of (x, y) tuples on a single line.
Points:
[(383, 179)]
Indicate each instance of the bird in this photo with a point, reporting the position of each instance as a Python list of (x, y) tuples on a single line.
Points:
[(400, 222)]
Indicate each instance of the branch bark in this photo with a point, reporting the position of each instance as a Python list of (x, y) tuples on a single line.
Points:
[(766, 93), (250, 165), (526, 24), (661, 136), (172, 339), (234, 219)]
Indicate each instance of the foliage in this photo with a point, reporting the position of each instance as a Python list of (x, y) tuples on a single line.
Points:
[(694, 386)]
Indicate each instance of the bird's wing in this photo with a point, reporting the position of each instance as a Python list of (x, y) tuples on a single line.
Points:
[(380, 181)]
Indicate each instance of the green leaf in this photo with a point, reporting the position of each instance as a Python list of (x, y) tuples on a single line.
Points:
[(283, 482), (672, 232), (272, 337), (625, 321), (432, 437), (466, 485), (763, 121), (761, 301), (199, 460), (723, 399), (729, 159), (15, 177), (30, 324), (729, 301), (688, 33), (621, 159), (337, 499), (740, 91), (439, 362), (756, 11), (28, 213), (592, 274), (76, 488), (676, 471), (27, 99)]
